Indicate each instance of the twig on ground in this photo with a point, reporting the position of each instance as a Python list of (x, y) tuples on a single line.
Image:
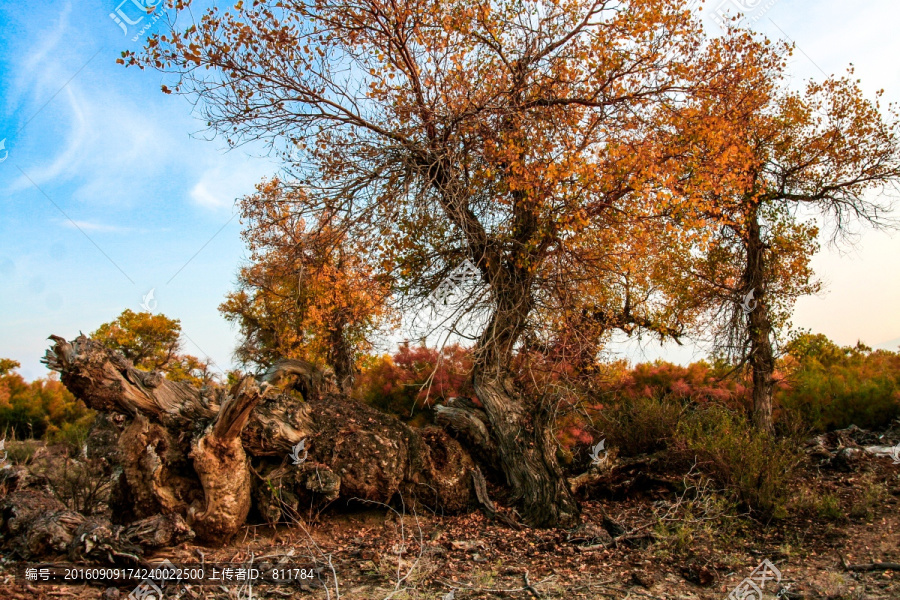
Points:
[(530, 588), (879, 566)]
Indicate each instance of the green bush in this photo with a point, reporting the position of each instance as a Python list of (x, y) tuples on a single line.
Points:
[(835, 387), (752, 466), (641, 425), (72, 435)]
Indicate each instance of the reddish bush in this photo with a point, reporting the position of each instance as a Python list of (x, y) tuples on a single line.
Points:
[(409, 383)]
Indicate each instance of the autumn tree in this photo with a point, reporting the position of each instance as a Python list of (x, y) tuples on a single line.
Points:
[(764, 158), (520, 136), (153, 343), (38, 408), (307, 292)]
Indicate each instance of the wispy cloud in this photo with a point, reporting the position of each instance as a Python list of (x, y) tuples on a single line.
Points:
[(219, 186)]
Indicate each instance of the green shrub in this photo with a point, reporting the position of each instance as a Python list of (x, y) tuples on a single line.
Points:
[(828, 507), (699, 515), (872, 495), (642, 425), (835, 387), (72, 435), (752, 466)]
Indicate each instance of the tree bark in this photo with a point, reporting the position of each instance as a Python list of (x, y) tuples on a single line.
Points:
[(527, 452), (520, 426), (761, 357), (191, 451)]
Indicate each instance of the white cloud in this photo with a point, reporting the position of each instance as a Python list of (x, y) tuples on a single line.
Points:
[(219, 186)]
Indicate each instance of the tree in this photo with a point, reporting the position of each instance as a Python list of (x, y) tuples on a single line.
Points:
[(307, 293), (37, 409), (516, 135), (835, 387), (153, 343), (762, 156)]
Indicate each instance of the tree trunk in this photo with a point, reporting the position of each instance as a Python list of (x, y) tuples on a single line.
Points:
[(762, 356), (193, 451), (527, 452), (340, 357), (521, 427)]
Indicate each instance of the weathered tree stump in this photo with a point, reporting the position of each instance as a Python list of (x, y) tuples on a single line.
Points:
[(207, 454)]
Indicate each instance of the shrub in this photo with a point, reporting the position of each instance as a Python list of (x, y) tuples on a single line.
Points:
[(835, 387), (642, 425), (21, 452), (752, 466), (699, 514), (828, 507), (409, 383), (698, 383), (82, 484)]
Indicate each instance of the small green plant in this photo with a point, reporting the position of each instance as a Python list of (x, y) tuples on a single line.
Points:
[(22, 452), (829, 507), (864, 506), (699, 514)]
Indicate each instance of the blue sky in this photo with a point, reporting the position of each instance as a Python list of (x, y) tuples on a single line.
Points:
[(109, 188)]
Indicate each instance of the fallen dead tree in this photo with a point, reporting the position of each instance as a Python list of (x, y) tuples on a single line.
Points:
[(200, 458)]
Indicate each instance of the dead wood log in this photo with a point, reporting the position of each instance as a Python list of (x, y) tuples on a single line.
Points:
[(188, 451), (221, 464)]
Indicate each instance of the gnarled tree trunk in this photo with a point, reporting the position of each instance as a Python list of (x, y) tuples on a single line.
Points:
[(526, 450), (193, 451), (521, 426)]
